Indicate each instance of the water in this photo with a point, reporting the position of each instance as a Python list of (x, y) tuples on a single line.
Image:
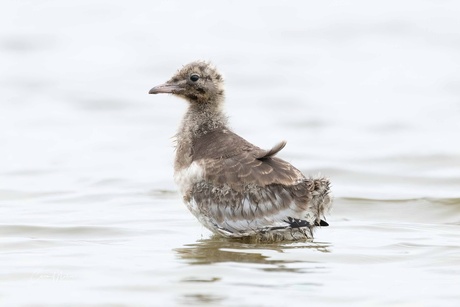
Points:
[(364, 93)]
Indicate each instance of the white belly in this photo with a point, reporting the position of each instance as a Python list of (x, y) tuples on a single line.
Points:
[(185, 178)]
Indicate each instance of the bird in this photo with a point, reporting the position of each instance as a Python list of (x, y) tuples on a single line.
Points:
[(234, 188)]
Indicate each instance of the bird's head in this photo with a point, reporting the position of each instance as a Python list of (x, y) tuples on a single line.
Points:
[(198, 82)]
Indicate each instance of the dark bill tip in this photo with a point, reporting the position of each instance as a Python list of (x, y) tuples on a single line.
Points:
[(164, 88)]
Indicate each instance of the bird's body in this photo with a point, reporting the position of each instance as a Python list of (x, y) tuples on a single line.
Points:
[(233, 187)]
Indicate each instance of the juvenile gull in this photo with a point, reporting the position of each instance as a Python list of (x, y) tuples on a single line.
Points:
[(233, 187)]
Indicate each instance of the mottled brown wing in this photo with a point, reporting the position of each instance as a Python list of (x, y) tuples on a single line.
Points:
[(229, 159)]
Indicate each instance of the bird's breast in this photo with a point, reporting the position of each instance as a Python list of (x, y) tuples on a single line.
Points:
[(186, 177)]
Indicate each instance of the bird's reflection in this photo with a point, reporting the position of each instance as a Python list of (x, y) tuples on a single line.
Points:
[(217, 249), (267, 257)]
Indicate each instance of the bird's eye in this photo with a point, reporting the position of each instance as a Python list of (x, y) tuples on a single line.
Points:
[(194, 77)]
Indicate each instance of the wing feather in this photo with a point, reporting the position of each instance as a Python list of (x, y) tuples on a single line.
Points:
[(228, 159)]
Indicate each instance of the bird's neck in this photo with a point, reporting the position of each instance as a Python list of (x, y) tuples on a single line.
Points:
[(203, 118), (199, 120)]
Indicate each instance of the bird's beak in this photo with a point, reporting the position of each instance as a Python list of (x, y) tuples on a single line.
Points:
[(165, 88)]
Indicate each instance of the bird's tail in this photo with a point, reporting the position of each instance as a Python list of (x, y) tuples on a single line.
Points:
[(321, 201)]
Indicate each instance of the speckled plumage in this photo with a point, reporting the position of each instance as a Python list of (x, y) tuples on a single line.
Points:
[(234, 188)]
